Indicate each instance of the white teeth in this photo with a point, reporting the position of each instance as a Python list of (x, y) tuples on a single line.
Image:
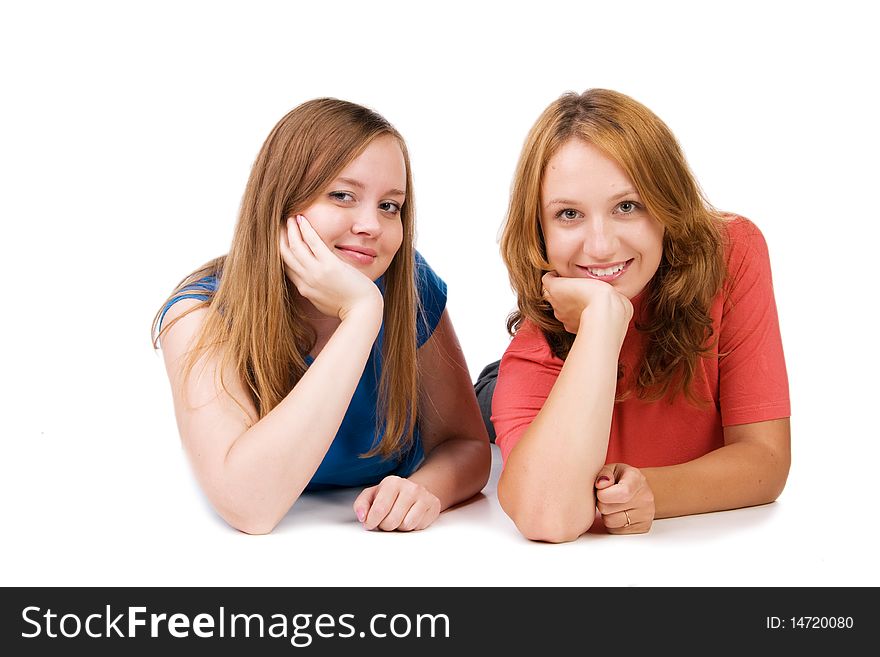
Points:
[(606, 272)]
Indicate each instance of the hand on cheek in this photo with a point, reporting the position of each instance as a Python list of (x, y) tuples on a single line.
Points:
[(334, 287), (570, 297)]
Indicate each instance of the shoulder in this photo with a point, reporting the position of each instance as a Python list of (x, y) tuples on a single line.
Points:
[(745, 241), (427, 280), (526, 376), (182, 308), (749, 280), (432, 295), (181, 324), (200, 289), (530, 344)]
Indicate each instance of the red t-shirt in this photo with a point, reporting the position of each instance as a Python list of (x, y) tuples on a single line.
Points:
[(747, 385)]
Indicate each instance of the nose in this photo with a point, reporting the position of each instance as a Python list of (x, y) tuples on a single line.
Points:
[(367, 221), (600, 240)]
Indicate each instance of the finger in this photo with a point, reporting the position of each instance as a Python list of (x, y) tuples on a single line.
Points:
[(414, 516), (618, 520), (402, 505), (627, 481), (284, 241), (282, 235), (607, 508), (301, 252), (382, 504), (619, 493), (611, 496), (605, 478), (431, 514), (312, 239), (618, 526), (363, 502), (287, 256)]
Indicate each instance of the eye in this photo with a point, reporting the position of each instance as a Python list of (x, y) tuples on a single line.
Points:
[(389, 206), (627, 207), (342, 197), (567, 215)]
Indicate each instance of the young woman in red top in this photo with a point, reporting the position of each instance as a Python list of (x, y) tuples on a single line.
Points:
[(646, 376)]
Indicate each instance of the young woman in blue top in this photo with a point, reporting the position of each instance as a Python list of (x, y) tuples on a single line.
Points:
[(317, 352)]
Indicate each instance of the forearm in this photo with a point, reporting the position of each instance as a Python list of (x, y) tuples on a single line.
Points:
[(547, 487), (731, 477), (270, 464), (455, 470)]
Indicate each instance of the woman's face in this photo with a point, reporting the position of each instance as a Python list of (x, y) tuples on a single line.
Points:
[(358, 215), (595, 225)]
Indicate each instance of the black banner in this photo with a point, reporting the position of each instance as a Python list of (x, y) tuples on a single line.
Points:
[(398, 620)]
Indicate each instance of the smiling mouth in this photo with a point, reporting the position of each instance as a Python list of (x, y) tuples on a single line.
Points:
[(357, 256), (606, 274)]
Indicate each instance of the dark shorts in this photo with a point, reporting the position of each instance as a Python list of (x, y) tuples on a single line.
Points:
[(485, 388)]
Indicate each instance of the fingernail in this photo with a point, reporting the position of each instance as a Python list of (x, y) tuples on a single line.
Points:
[(603, 478), (361, 515), (299, 218)]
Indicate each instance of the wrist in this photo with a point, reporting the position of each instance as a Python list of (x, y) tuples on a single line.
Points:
[(598, 321), (366, 311)]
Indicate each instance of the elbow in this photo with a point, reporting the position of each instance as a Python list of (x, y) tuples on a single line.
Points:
[(536, 522), (485, 470), (246, 506), (252, 525), (776, 484), (778, 476), (776, 489), (476, 467), (253, 528), (255, 522), (250, 511), (550, 532)]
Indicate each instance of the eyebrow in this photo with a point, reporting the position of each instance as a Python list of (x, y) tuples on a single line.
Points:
[(360, 185), (626, 192), (565, 201), (561, 201)]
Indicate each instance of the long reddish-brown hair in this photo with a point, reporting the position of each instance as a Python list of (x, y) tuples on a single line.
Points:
[(253, 319), (692, 268)]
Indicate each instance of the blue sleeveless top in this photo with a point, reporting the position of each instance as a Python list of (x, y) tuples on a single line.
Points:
[(342, 465)]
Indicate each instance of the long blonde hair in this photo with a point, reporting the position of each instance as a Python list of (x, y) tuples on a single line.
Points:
[(253, 316), (692, 267)]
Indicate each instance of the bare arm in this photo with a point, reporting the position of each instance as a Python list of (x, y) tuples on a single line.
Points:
[(253, 471), (547, 486), (457, 457), (752, 466), (750, 469)]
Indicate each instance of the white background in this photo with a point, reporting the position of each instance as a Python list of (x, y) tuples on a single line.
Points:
[(127, 133)]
